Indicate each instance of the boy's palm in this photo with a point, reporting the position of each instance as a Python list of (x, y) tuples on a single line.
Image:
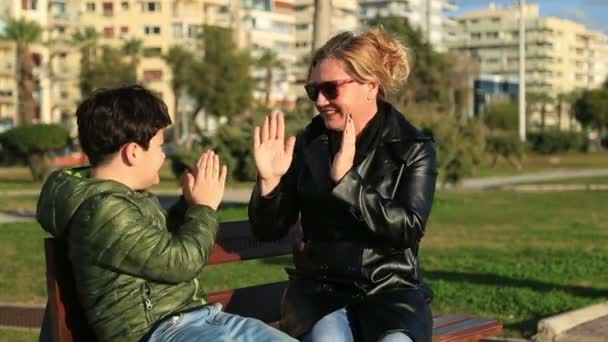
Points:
[(206, 186)]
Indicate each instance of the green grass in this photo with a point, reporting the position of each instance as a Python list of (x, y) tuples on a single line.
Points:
[(518, 257), (581, 180), (18, 335), (538, 163), (18, 203)]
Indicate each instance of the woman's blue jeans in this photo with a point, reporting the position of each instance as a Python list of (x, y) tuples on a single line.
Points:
[(209, 323), (335, 327)]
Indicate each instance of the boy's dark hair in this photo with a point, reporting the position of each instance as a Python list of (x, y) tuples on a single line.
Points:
[(110, 118)]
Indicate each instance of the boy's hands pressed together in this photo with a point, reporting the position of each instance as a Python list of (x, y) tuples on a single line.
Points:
[(206, 186)]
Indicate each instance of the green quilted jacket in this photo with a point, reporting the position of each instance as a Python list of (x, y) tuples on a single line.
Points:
[(133, 263)]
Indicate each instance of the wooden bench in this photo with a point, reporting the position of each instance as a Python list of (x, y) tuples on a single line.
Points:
[(65, 321)]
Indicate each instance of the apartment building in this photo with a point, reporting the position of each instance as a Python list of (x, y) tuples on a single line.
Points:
[(55, 91), (430, 16), (159, 24), (561, 55), (344, 16), (270, 25), (8, 86)]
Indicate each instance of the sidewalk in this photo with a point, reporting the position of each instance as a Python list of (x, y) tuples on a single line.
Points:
[(241, 195)]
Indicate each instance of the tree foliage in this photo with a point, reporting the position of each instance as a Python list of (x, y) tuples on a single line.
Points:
[(33, 142), (220, 80), (110, 70)]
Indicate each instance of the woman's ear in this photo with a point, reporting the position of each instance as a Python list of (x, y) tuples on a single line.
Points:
[(373, 88)]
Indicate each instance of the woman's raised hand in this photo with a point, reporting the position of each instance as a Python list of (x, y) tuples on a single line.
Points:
[(271, 152)]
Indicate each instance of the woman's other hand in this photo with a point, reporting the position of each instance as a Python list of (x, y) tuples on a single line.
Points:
[(343, 161)]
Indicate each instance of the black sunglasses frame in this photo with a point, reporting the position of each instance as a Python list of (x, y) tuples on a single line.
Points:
[(329, 89)]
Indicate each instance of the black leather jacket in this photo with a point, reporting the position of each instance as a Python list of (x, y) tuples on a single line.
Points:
[(360, 236)]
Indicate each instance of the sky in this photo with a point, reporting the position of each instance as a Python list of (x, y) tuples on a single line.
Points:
[(591, 13)]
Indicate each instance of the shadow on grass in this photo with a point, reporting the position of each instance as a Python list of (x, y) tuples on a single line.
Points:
[(502, 281), (525, 327)]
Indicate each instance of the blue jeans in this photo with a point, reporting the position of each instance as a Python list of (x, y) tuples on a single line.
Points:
[(335, 327), (209, 323)]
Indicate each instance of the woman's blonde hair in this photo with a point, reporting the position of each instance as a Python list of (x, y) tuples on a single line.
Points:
[(371, 55)]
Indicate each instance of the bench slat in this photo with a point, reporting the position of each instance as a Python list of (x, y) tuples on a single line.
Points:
[(470, 330), (441, 321), (235, 242)]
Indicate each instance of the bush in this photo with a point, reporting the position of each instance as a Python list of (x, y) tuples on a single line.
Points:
[(460, 147), (556, 141), (507, 145), (502, 116), (234, 143), (33, 142)]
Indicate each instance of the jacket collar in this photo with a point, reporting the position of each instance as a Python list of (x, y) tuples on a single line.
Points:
[(397, 137)]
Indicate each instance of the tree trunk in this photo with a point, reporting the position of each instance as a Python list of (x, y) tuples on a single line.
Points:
[(322, 23), (176, 119), (268, 85), (39, 166), (26, 84)]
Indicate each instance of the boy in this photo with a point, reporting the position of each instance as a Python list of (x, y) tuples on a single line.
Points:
[(136, 268)]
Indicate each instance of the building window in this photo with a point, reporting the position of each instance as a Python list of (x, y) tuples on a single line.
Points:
[(475, 36), (108, 9), (124, 31), (193, 30), (29, 4), (151, 6), (108, 32), (178, 30), (90, 7), (492, 35), (151, 30), (278, 26), (302, 27), (124, 5), (153, 75)]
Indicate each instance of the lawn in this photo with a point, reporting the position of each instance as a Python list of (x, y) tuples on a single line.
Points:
[(539, 162), (581, 180), (18, 335), (19, 178), (518, 257)]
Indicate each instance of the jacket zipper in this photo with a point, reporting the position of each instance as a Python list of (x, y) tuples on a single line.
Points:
[(146, 291)]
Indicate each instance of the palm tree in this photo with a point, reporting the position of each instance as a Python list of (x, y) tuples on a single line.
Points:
[(179, 60), (24, 33), (540, 101), (269, 60), (133, 48), (86, 40)]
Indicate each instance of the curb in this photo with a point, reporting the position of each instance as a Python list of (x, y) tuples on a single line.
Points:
[(550, 328)]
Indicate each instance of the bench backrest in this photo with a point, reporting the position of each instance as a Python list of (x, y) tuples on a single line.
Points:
[(234, 243)]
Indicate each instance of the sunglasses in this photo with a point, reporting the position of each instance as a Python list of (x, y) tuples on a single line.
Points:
[(329, 89)]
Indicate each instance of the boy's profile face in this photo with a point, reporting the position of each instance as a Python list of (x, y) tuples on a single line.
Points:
[(152, 160)]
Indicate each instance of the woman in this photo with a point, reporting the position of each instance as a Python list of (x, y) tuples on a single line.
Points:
[(362, 179)]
